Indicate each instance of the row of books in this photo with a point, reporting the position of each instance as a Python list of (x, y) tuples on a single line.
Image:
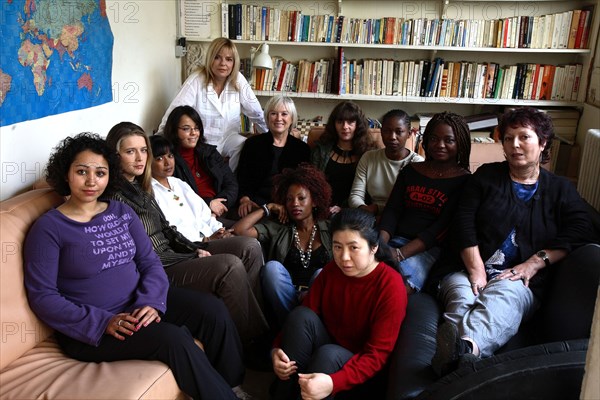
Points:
[(302, 77), (565, 30), (421, 78), (438, 78)]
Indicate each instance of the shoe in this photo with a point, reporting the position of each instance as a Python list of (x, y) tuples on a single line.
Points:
[(450, 348), (241, 394)]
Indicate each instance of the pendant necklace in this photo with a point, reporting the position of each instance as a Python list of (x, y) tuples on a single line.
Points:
[(304, 256)]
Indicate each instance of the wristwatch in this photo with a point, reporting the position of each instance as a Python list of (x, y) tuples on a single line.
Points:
[(542, 254)]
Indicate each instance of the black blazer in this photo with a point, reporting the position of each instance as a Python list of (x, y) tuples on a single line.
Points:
[(226, 185), (256, 159)]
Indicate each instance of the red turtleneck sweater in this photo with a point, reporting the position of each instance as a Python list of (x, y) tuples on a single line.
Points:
[(204, 182)]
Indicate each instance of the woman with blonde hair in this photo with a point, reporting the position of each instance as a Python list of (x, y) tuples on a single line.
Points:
[(265, 156), (229, 272), (220, 93)]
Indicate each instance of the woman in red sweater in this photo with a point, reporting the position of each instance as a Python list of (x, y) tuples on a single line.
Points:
[(340, 338)]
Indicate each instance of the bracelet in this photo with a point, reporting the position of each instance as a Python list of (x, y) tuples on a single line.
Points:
[(266, 209), (400, 255)]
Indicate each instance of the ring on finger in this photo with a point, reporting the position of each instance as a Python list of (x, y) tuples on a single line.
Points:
[(119, 323), (512, 271)]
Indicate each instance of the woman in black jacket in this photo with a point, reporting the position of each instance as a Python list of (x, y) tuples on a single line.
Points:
[(199, 163), (514, 220)]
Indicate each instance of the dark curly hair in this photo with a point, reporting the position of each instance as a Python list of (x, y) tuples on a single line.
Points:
[(355, 219), (172, 124), (462, 133), (64, 154), (531, 118), (308, 176), (348, 111)]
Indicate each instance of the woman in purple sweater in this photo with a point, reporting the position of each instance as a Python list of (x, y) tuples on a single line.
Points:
[(92, 275)]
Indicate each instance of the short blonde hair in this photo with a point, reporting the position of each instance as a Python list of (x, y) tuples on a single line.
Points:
[(287, 102), (214, 49)]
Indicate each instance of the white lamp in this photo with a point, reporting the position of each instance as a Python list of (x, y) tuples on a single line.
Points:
[(263, 60)]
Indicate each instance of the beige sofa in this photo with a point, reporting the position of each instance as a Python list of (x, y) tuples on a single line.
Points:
[(32, 366)]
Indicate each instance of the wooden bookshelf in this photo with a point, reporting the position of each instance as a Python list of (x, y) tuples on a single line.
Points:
[(310, 104)]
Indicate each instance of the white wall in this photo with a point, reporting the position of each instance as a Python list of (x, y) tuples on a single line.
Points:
[(146, 76)]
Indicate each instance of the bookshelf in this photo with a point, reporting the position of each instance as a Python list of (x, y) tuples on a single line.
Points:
[(311, 104)]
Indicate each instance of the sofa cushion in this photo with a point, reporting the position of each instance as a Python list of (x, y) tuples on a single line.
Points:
[(45, 372), (551, 371), (21, 329)]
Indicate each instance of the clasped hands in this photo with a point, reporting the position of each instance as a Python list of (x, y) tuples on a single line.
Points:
[(128, 323), (313, 386)]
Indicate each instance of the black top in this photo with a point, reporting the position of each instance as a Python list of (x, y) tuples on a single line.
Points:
[(255, 169), (554, 218), (300, 275), (340, 177)]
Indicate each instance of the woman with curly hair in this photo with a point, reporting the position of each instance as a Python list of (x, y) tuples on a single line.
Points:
[(339, 148), (422, 202), (108, 297), (297, 239)]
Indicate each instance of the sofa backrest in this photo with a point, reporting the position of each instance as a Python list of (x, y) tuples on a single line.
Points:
[(21, 329)]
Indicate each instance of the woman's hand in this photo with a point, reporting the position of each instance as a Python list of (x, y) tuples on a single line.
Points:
[(282, 366), (218, 207), (121, 324), (524, 272), (221, 233), (478, 280), (334, 210), (280, 211), (315, 386), (246, 206), (202, 253), (145, 315)]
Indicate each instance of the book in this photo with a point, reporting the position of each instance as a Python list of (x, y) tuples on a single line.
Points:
[(482, 121), (576, 16)]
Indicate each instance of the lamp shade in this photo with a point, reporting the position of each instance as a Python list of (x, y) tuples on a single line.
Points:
[(263, 59)]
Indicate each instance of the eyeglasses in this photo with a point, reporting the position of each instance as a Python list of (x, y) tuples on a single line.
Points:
[(188, 129)]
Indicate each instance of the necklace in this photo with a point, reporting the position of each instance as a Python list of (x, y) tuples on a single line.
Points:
[(176, 198), (443, 172), (304, 255), (530, 180), (342, 156)]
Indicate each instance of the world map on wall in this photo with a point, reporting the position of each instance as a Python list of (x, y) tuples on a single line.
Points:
[(55, 56)]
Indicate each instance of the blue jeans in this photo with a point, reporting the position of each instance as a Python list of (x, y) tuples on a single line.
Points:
[(279, 292), (415, 269)]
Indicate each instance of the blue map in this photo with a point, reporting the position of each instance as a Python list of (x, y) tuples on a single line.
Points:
[(55, 56)]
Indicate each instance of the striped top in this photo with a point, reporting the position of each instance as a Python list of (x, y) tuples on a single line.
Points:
[(170, 245)]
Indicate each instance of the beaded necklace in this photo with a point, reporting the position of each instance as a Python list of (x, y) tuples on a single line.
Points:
[(304, 255)]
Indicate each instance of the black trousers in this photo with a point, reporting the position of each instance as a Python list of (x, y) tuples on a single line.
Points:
[(305, 340), (208, 374)]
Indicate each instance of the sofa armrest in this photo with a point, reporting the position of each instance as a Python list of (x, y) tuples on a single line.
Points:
[(568, 311), (551, 371), (410, 362)]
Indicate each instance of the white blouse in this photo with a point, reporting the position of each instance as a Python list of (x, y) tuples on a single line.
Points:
[(184, 209)]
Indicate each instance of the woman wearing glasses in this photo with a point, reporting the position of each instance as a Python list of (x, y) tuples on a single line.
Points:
[(220, 93), (199, 163)]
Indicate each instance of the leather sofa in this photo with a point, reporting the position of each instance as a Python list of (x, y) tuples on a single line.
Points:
[(545, 360), (32, 366)]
